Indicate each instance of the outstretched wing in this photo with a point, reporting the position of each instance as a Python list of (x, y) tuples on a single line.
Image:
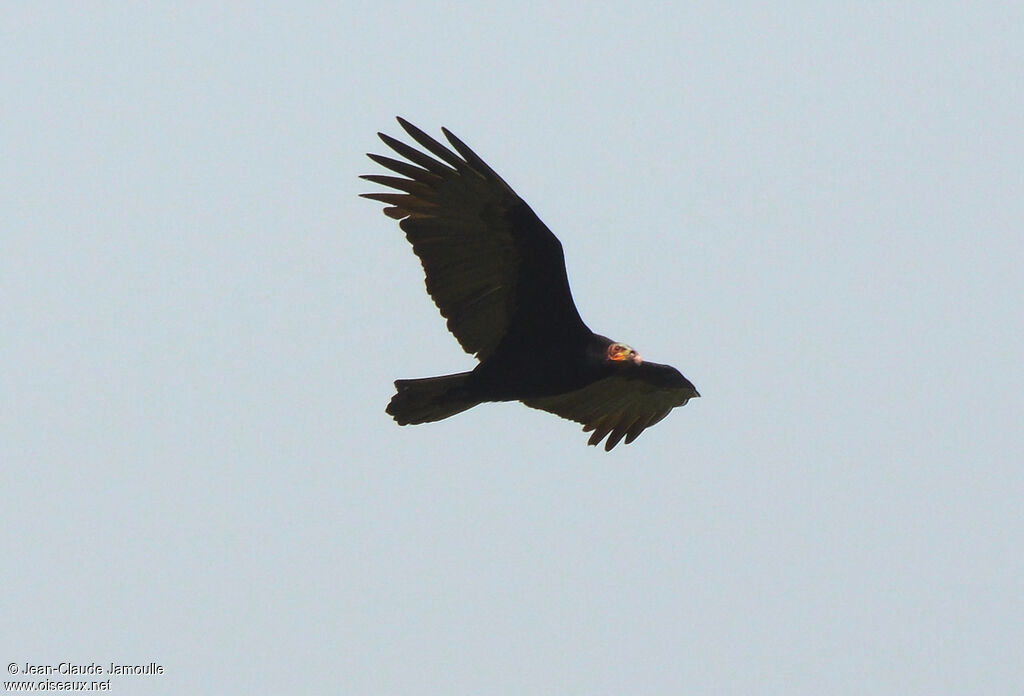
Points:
[(492, 267), (622, 405)]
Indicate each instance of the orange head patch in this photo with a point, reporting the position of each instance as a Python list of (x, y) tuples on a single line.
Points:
[(620, 352)]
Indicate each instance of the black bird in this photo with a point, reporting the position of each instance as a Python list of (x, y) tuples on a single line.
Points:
[(497, 274)]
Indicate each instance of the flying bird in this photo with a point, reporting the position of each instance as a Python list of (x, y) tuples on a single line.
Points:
[(497, 274)]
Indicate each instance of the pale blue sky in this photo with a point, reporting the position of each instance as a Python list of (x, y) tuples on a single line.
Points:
[(815, 211)]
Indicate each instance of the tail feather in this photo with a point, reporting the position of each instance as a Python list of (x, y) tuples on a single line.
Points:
[(429, 399)]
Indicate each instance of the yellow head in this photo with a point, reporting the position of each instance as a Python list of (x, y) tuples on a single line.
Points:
[(620, 352)]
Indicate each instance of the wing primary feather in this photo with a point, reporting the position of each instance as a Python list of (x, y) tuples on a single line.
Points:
[(415, 156), (637, 428), (404, 168), (614, 438), (657, 419), (402, 201), (435, 147), (471, 157), (633, 432), (600, 430), (408, 185)]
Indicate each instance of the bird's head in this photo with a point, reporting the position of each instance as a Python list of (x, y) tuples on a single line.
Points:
[(621, 353)]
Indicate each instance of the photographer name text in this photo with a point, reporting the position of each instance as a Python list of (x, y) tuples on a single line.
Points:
[(91, 668)]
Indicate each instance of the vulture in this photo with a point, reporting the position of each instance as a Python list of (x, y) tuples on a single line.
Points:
[(497, 274)]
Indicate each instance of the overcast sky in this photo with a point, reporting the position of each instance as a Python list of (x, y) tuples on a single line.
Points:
[(814, 210)]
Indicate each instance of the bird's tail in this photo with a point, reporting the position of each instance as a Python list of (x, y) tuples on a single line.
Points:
[(430, 399)]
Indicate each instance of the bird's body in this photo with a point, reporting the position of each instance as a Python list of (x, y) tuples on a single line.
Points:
[(514, 375), (497, 274)]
